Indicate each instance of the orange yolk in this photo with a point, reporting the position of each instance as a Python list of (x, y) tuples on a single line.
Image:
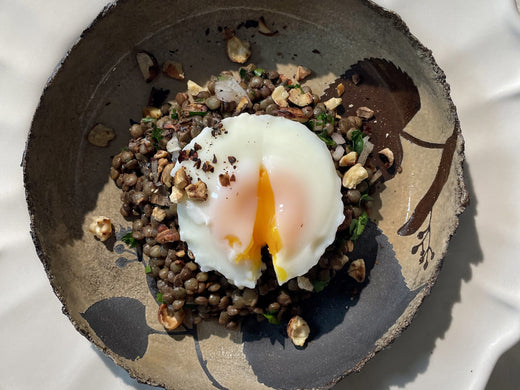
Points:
[(265, 231)]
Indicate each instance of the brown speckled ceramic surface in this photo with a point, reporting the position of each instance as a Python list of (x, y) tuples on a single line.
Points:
[(103, 286)]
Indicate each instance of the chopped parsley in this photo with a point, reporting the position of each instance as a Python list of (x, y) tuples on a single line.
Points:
[(365, 197), (174, 114), (357, 226), (357, 141), (157, 134), (319, 285), (197, 113), (243, 73), (148, 270), (293, 86), (148, 120), (325, 138), (129, 240), (259, 72), (159, 297), (272, 318)]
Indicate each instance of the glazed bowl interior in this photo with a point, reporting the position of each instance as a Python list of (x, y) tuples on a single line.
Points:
[(103, 286)]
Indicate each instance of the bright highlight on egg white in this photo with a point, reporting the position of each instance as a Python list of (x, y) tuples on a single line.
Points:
[(283, 192)]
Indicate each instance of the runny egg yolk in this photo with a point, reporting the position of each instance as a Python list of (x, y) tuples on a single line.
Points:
[(265, 231)]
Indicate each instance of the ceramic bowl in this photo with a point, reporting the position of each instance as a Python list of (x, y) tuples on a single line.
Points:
[(103, 286)]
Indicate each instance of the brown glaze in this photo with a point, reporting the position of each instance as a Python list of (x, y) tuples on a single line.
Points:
[(392, 95)]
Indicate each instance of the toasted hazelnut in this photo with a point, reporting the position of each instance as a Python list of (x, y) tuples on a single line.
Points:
[(339, 262), (304, 283), (173, 69), (100, 135), (180, 180), (147, 65), (237, 50), (389, 156), (101, 227), (350, 246), (160, 154), (357, 270), (242, 104), (194, 88), (340, 89), (332, 103), (365, 113), (280, 96), (224, 179), (197, 191), (177, 195), (152, 112), (158, 214), (292, 113), (298, 330), (296, 96), (169, 318), (263, 29), (166, 176), (348, 159), (168, 235), (355, 175), (302, 73)]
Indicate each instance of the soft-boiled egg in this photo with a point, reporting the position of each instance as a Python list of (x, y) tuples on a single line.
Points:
[(270, 181)]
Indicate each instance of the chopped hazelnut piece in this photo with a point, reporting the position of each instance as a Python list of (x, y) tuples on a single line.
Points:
[(354, 176), (168, 235), (304, 283), (292, 113), (197, 191), (152, 112), (357, 270), (177, 195), (298, 330), (389, 156), (160, 154), (280, 96), (173, 69), (101, 227), (348, 160), (263, 29), (237, 50), (332, 103), (340, 89), (365, 113), (299, 98), (224, 179), (194, 88), (158, 214), (242, 104), (166, 176), (180, 180), (147, 65), (100, 135), (169, 318), (302, 73)]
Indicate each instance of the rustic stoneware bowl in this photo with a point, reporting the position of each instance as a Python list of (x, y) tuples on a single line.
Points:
[(103, 286)]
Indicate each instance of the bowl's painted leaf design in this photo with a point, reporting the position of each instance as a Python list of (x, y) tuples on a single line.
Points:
[(346, 321)]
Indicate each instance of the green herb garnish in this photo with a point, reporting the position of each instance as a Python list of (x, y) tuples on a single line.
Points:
[(148, 269), (310, 125), (259, 72), (243, 73), (197, 113), (174, 114), (129, 240), (159, 297), (148, 120), (319, 285), (365, 197), (272, 318), (157, 134), (324, 118), (357, 141), (325, 138), (357, 226), (293, 86)]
